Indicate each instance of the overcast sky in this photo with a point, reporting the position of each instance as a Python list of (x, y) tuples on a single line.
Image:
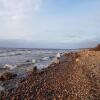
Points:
[(56, 22)]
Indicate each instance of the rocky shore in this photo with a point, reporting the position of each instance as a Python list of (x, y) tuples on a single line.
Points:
[(76, 77)]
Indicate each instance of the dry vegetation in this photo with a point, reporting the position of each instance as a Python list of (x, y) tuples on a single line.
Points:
[(97, 48)]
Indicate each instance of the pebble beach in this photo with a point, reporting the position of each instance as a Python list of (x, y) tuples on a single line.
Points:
[(76, 77)]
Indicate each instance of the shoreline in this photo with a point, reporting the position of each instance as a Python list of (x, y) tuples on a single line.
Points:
[(74, 77)]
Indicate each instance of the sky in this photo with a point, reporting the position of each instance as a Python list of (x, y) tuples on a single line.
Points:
[(49, 23)]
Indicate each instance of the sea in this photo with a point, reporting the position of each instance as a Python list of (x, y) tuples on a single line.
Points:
[(25, 58)]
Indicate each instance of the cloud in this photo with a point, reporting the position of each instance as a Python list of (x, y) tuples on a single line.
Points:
[(14, 15), (22, 19), (18, 7)]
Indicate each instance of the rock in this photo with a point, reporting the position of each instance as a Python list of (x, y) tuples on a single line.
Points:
[(7, 76)]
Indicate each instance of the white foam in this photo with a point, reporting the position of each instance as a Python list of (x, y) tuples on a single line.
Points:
[(10, 66)]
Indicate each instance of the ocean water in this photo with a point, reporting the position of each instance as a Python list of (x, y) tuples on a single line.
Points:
[(42, 57)]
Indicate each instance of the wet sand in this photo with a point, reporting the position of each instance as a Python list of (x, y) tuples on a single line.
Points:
[(76, 77)]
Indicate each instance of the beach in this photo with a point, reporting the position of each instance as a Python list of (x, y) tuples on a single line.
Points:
[(76, 77)]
